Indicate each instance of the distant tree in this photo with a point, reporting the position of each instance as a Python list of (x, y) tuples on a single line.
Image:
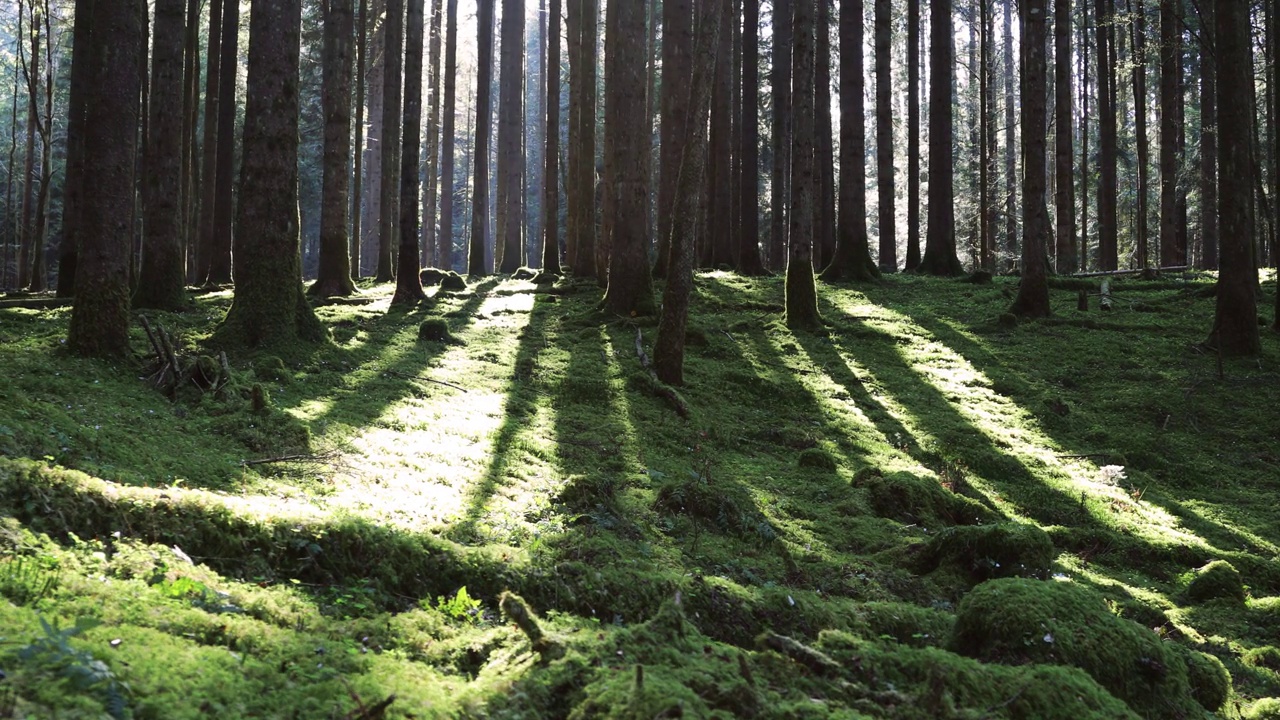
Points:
[(510, 146), (852, 260), (780, 80), (1033, 291), (940, 246), (204, 230), (30, 63), (1208, 143), (581, 200), (630, 290), (824, 244), (357, 176), (913, 135), (748, 255), (431, 194), (476, 264), (884, 139), (1067, 256), (1172, 253), (1108, 188), (219, 260), (1010, 140), (444, 238), (389, 178), (668, 348), (987, 139), (408, 278), (82, 70), (163, 275), (1139, 41), (677, 66), (801, 294), (1235, 322), (551, 157), (100, 315), (269, 308), (718, 249), (334, 275)]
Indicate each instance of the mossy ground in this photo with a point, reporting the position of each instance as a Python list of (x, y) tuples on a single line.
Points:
[(427, 477)]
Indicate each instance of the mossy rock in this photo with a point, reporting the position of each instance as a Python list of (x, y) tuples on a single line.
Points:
[(1219, 580), (817, 458), (446, 279), (1009, 549), (271, 368), (1266, 656), (942, 684), (524, 273), (726, 507), (1210, 681), (1016, 621), (907, 624), (437, 330), (914, 499), (1264, 709)]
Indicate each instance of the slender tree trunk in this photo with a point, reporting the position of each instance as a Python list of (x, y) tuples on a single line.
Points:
[(1108, 215), (780, 187), (1235, 324), (884, 139), (749, 199), (31, 71), (334, 276), (375, 83), (357, 175), (389, 188), (190, 145), (940, 246), (987, 146), (431, 196), (1084, 135), (913, 135), (606, 184), (163, 272), (1033, 290), (223, 209), (824, 248), (651, 116), (73, 184), (801, 292), (1064, 159), (444, 238), (39, 270), (1139, 41), (582, 84), (1170, 54), (14, 234), (510, 122), (476, 264), (100, 317), (408, 281), (551, 158), (677, 67), (209, 147), (719, 185), (1209, 143), (1010, 142)]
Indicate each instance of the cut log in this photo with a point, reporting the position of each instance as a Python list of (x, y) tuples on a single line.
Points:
[(1104, 301)]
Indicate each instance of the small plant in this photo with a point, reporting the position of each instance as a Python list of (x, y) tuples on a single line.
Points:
[(53, 654), (461, 606), (27, 580)]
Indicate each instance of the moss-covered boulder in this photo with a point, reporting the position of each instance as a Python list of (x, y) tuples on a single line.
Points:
[(1219, 580), (1264, 709), (1210, 681), (436, 330), (271, 368), (911, 498), (907, 624), (1016, 621), (991, 551), (446, 279), (818, 459), (1266, 656)]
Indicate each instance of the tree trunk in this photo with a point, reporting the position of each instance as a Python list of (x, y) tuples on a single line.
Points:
[(209, 148), (100, 317), (190, 146), (606, 184), (719, 163), (476, 264), (748, 261), (1010, 143), (987, 144), (408, 279), (444, 238), (389, 186), (73, 183), (630, 291), (1209, 144), (913, 135), (551, 158), (940, 246), (801, 293), (375, 83), (582, 138), (431, 196), (357, 175), (668, 348), (269, 309), (780, 187), (1141, 210), (884, 139), (219, 271), (1033, 292), (1084, 135), (163, 276), (15, 234), (1067, 256), (510, 122), (334, 276), (677, 68), (824, 248), (1170, 67), (31, 71), (1108, 215), (1235, 323), (853, 254)]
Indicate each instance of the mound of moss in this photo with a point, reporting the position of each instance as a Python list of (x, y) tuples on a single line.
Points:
[(1210, 681), (726, 507), (991, 551), (1267, 656), (436, 330), (446, 279), (1219, 580), (1264, 709), (271, 368), (910, 498), (818, 459), (1016, 621), (907, 624)]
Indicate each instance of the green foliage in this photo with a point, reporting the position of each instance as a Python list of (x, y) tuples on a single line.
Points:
[(28, 579), (1267, 656), (436, 330), (1209, 679), (79, 671), (461, 607), (1264, 709), (913, 498)]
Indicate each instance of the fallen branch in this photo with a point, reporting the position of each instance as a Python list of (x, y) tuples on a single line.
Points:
[(660, 388), (407, 376), (38, 303), (1108, 273), (304, 457), (1085, 456)]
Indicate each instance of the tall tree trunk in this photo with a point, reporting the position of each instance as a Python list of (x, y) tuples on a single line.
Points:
[(431, 196), (1170, 53), (651, 116), (719, 191), (1010, 143), (551, 158), (913, 135), (190, 145), (1209, 143), (375, 83), (824, 249), (780, 187), (31, 71), (269, 309), (1067, 256), (1033, 291), (606, 185), (82, 71), (357, 175), (389, 187), (100, 316), (853, 254), (444, 239), (1235, 324), (476, 264), (884, 139), (408, 280), (582, 139), (940, 245), (1141, 210), (13, 227), (677, 68), (334, 276), (1084, 135), (987, 145), (163, 273), (510, 122), (748, 261), (209, 147), (1108, 215), (39, 271), (223, 209), (801, 293)]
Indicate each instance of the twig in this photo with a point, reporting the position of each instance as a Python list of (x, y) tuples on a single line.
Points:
[(407, 376), (1084, 456), (324, 457), (726, 334)]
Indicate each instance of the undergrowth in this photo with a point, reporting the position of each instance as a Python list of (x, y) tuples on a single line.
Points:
[(472, 508)]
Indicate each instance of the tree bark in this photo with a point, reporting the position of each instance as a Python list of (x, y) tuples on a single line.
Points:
[(1067, 256), (884, 140), (940, 246), (357, 175), (1141, 210), (824, 248), (582, 141), (748, 261), (551, 158), (100, 317), (801, 293), (190, 145), (677, 68), (209, 148), (780, 187), (269, 309), (219, 270), (444, 238), (1010, 143), (408, 277), (1170, 67), (1209, 144), (31, 72), (913, 135), (82, 70), (719, 169), (987, 141), (1108, 188), (431, 195), (1084, 135), (334, 274), (1033, 291), (510, 122), (389, 185), (476, 264)]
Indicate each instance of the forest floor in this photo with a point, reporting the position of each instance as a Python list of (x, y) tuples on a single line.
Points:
[(921, 512)]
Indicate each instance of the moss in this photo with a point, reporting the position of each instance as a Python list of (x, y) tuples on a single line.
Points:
[(1017, 621), (1264, 709), (1267, 656), (271, 368), (818, 459), (446, 279), (724, 505), (1209, 679), (991, 551), (437, 330), (1219, 580), (907, 624), (911, 498)]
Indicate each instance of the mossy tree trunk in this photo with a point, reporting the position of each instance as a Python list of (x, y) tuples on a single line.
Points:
[(269, 308), (510, 151), (853, 253), (389, 185), (630, 290), (1033, 291), (940, 244), (801, 293), (551, 158), (1235, 322), (334, 275), (668, 348), (480, 156), (100, 317), (408, 277)]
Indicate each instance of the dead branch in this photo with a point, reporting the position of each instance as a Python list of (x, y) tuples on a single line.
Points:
[(303, 457), (422, 378), (36, 303), (1107, 273)]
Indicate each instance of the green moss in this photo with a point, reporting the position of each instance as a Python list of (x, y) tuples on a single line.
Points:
[(271, 368), (437, 330), (1017, 621), (908, 624), (818, 459), (1267, 656), (446, 279), (911, 498), (723, 505), (1264, 709), (1219, 580), (991, 551), (1209, 679)]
